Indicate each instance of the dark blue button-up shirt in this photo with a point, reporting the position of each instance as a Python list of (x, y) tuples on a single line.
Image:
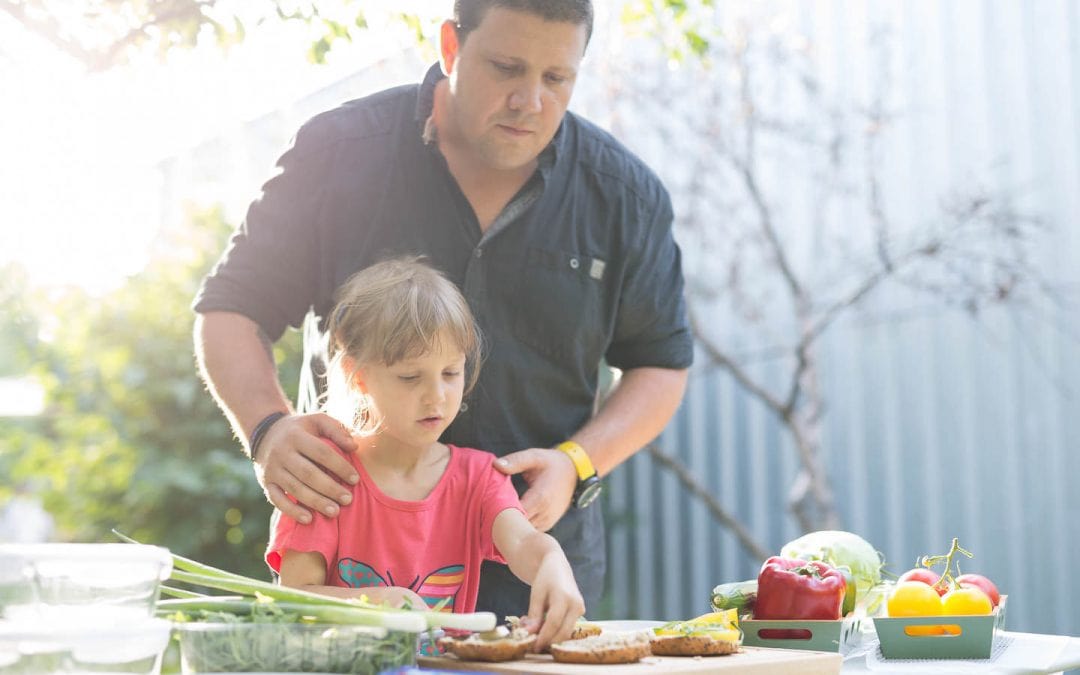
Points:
[(580, 266)]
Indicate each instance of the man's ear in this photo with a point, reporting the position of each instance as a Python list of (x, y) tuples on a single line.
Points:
[(448, 46)]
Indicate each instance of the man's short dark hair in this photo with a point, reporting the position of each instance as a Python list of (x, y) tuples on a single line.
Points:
[(469, 13)]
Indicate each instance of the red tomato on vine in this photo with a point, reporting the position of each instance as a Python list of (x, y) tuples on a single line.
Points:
[(982, 583), (923, 574)]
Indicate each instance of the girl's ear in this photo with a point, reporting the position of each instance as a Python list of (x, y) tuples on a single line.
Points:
[(358, 382), (354, 373)]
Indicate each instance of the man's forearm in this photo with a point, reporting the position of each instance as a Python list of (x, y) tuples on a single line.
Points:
[(635, 413), (236, 362)]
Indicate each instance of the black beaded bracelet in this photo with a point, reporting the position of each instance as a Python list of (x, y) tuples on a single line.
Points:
[(260, 430)]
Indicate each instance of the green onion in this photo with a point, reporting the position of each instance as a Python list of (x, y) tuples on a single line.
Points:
[(307, 612), (306, 603), (180, 592)]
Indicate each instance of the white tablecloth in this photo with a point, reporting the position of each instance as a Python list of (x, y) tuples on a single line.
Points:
[(1018, 653)]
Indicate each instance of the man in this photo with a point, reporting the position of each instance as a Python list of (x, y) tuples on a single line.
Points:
[(559, 238)]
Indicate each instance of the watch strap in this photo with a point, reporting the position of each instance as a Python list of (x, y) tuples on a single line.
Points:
[(582, 464)]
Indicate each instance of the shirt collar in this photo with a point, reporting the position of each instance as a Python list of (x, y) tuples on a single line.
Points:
[(425, 101), (425, 105)]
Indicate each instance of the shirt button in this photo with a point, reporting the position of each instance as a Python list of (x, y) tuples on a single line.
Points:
[(574, 264), (478, 252)]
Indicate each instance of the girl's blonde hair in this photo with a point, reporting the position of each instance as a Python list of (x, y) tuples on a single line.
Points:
[(393, 310)]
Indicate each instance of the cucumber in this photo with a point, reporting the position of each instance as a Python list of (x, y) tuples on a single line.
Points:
[(738, 595), (849, 591)]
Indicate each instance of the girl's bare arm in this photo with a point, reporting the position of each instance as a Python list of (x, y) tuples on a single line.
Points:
[(555, 603), (306, 570)]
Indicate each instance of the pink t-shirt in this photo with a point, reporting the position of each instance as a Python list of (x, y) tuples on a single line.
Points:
[(433, 546)]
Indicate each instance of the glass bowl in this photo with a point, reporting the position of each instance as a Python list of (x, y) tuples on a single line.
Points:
[(70, 582), (132, 647), (292, 648)]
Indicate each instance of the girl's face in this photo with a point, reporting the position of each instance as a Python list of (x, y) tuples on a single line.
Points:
[(416, 399)]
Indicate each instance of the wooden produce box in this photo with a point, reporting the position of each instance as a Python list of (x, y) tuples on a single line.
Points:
[(749, 661)]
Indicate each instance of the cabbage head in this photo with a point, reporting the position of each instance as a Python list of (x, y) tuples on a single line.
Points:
[(836, 547)]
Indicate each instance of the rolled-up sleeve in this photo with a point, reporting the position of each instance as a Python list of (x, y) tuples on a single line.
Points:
[(268, 270)]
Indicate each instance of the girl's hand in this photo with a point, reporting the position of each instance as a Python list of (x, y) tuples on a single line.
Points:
[(552, 479), (395, 596), (555, 603)]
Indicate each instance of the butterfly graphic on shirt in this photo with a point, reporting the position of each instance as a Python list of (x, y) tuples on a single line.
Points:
[(436, 587)]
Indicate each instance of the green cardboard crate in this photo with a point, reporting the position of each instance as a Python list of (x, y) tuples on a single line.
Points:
[(975, 640), (820, 636)]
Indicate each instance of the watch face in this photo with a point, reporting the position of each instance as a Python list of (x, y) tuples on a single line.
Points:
[(588, 492)]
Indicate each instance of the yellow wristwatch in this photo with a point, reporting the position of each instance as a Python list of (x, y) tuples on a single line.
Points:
[(588, 487)]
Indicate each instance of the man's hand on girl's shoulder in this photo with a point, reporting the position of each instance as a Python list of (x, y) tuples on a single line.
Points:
[(551, 478), (301, 456)]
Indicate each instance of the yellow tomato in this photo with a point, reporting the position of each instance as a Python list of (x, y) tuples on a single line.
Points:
[(914, 598), (965, 601)]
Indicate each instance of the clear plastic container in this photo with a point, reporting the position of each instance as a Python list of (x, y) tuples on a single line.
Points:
[(132, 647), (64, 582), (292, 648)]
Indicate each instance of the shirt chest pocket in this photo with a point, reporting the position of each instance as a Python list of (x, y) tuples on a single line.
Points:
[(559, 304)]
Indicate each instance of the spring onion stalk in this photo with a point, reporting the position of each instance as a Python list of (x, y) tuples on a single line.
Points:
[(195, 573), (477, 621), (180, 592), (246, 586), (310, 613), (313, 602)]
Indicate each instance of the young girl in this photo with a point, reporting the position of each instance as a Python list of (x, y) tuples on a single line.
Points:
[(404, 349)]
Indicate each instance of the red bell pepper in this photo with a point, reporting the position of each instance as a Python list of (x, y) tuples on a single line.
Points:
[(789, 588)]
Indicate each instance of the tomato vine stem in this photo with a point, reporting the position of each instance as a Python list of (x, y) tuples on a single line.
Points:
[(947, 580)]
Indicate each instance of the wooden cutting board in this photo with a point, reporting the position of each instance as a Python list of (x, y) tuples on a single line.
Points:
[(751, 660)]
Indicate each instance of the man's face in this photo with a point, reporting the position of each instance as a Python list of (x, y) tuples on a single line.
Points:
[(510, 83)]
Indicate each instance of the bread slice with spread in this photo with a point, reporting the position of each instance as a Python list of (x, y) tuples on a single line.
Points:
[(604, 649), (500, 644), (713, 634)]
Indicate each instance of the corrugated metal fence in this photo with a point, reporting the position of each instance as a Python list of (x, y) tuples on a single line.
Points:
[(938, 424)]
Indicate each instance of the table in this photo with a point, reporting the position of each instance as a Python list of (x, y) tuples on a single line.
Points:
[(1027, 653), (1023, 654)]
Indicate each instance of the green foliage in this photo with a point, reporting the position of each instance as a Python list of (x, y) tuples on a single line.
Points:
[(130, 438), (682, 27), (19, 330), (104, 35)]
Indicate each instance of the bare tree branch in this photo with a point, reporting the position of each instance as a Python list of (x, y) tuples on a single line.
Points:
[(746, 168), (719, 357), (97, 59), (696, 488), (47, 28), (109, 55)]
